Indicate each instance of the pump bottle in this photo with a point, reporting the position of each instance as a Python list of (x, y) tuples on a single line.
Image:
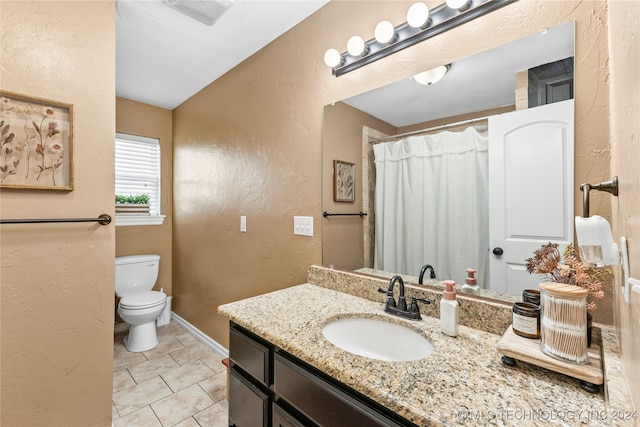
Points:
[(470, 282), (449, 309)]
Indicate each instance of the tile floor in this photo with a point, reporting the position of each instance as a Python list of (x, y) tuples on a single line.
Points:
[(179, 383)]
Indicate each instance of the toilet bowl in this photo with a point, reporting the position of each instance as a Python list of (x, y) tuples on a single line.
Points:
[(141, 311), (139, 306)]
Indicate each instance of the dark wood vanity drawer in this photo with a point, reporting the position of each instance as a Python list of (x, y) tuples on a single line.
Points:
[(248, 405), (250, 355), (282, 418), (321, 401)]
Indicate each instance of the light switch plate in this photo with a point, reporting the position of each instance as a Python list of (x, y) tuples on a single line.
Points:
[(303, 226), (243, 224)]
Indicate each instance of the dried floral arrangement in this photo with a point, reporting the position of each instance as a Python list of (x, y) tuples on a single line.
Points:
[(568, 268)]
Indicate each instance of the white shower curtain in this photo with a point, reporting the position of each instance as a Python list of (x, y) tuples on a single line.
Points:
[(431, 205)]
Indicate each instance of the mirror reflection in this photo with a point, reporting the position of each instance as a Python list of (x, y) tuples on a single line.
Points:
[(434, 208)]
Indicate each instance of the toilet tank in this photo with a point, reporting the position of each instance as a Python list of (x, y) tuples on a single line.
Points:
[(136, 273)]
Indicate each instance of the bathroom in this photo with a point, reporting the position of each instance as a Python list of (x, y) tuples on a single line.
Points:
[(57, 284)]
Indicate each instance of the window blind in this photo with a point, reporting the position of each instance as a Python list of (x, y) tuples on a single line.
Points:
[(138, 168)]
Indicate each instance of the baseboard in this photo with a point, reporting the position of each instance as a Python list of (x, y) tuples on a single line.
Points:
[(120, 327), (201, 336)]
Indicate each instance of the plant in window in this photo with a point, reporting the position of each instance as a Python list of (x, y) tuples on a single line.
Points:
[(138, 199), (132, 204)]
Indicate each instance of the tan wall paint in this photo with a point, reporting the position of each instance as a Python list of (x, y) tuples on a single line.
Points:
[(342, 242), (625, 152), (57, 279), (140, 119), (251, 142)]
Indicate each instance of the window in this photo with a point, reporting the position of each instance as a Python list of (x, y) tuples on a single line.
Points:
[(138, 168)]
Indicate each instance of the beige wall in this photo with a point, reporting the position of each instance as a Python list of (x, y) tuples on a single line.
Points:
[(57, 279), (251, 142), (342, 242), (139, 119), (624, 40)]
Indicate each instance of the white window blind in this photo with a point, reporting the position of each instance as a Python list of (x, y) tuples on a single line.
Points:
[(138, 168)]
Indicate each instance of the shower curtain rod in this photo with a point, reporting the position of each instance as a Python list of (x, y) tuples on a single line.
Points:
[(418, 132)]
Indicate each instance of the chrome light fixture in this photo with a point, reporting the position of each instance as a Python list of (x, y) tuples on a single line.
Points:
[(418, 15), (595, 240), (421, 24), (385, 33), (356, 46), (458, 4)]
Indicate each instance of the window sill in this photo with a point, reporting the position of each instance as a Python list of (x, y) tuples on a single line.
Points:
[(129, 220)]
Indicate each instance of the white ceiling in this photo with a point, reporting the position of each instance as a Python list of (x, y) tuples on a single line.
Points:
[(163, 57), (483, 81)]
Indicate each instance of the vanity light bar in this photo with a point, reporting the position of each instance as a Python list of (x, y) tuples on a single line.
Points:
[(441, 19)]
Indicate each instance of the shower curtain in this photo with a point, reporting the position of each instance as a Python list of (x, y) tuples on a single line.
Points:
[(431, 205)]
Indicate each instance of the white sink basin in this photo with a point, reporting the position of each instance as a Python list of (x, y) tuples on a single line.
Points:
[(377, 339)]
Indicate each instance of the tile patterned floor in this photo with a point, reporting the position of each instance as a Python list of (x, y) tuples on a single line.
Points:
[(179, 383)]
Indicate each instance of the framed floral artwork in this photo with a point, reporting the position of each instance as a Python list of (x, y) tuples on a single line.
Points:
[(36, 139), (344, 181)]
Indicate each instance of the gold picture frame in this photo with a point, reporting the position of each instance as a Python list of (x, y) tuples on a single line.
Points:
[(344, 181), (36, 143)]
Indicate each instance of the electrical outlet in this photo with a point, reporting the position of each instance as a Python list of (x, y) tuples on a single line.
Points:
[(303, 226), (243, 224)]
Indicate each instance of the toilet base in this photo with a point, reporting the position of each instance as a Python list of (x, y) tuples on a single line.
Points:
[(141, 337)]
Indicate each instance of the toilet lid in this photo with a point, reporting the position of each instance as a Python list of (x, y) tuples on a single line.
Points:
[(143, 299)]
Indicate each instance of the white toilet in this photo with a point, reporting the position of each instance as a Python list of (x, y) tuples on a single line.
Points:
[(139, 306)]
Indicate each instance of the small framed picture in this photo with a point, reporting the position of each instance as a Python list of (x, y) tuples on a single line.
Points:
[(36, 143), (344, 181)]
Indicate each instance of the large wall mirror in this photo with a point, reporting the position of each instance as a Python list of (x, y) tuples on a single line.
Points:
[(488, 89)]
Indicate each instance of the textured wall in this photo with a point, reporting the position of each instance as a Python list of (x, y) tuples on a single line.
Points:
[(251, 142), (57, 279), (625, 153), (154, 122)]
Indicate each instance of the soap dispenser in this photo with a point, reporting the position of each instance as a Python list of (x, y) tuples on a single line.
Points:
[(449, 309), (470, 282)]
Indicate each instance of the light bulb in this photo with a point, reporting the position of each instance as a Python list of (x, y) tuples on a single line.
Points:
[(418, 15), (432, 76), (458, 4), (356, 46), (332, 58), (384, 32)]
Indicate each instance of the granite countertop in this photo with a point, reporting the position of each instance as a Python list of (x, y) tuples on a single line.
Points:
[(463, 382), (486, 293)]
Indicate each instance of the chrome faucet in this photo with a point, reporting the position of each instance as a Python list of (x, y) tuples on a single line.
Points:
[(400, 309), (424, 270)]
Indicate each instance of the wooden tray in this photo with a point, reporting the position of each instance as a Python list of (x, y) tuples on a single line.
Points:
[(528, 350)]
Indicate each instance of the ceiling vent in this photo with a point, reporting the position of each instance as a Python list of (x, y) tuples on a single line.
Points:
[(205, 11)]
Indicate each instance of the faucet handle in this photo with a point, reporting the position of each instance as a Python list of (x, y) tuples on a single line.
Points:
[(391, 302), (413, 307)]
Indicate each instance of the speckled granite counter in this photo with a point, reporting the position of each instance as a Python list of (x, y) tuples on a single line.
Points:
[(463, 382), (485, 293)]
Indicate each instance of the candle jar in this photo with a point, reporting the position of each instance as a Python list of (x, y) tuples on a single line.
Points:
[(526, 320), (531, 295), (563, 322)]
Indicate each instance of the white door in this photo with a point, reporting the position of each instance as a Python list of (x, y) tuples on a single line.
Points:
[(530, 190)]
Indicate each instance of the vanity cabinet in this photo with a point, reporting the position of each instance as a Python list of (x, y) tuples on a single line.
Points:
[(269, 387), (250, 405)]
